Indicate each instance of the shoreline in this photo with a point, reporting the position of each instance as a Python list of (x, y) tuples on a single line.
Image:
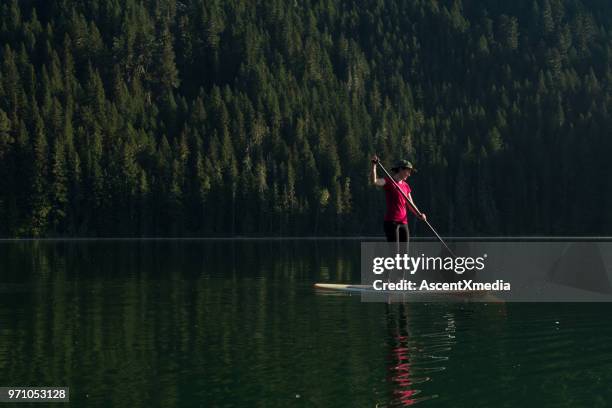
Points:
[(319, 238)]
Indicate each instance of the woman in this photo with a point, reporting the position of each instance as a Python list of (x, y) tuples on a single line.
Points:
[(396, 217)]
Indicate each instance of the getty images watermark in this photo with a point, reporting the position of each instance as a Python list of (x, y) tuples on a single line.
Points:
[(406, 264), (489, 271)]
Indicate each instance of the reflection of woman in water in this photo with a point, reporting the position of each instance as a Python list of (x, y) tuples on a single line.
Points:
[(411, 357), (420, 340), (400, 376)]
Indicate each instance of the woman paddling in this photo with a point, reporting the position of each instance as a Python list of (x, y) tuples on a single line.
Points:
[(396, 217)]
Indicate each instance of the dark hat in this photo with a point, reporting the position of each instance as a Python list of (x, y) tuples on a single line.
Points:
[(403, 164)]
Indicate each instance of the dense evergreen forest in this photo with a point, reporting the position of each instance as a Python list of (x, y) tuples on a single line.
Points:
[(218, 117)]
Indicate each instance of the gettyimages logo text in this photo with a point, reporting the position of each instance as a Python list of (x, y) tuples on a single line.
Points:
[(412, 264)]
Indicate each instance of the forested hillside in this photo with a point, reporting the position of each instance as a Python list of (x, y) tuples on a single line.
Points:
[(190, 118)]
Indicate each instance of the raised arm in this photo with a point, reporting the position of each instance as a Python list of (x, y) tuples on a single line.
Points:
[(373, 176)]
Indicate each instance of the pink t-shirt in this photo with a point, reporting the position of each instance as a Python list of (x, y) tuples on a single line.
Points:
[(396, 203)]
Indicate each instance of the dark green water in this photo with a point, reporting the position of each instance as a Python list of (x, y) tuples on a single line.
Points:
[(238, 324)]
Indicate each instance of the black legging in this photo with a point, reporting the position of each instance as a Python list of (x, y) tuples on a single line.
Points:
[(392, 229)]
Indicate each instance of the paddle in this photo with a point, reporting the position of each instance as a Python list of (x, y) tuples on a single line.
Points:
[(414, 207)]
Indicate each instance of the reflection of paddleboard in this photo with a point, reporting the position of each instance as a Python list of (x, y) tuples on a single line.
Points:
[(482, 295)]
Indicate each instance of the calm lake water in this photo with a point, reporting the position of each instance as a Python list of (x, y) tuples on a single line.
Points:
[(238, 324)]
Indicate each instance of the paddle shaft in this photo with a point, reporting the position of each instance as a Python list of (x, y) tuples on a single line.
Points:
[(414, 207)]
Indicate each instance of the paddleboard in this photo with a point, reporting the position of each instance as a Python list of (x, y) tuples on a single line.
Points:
[(354, 288), (342, 287)]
